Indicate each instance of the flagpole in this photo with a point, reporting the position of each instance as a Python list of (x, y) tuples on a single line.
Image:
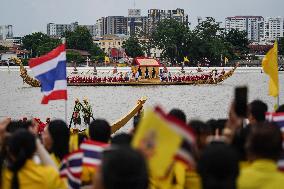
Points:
[(64, 42)]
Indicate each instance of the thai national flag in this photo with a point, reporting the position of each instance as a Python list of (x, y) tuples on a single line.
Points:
[(50, 70), (92, 152), (71, 168), (277, 118)]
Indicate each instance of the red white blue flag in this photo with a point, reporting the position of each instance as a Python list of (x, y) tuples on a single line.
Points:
[(71, 168), (92, 151), (50, 70), (277, 118)]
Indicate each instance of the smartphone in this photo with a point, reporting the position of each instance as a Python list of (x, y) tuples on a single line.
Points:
[(241, 97)]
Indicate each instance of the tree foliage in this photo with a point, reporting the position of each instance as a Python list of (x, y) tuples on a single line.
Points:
[(207, 43), (97, 53), (281, 46), (133, 47), (73, 56), (3, 48), (80, 39), (173, 38), (39, 43)]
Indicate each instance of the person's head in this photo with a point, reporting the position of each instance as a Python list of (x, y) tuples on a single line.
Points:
[(202, 131), (13, 126), (179, 114), (100, 130), (264, 142), (280, 108), (56, 138), (113, 174), (20, 147), (218, 167), (122, 139), (256, 112)]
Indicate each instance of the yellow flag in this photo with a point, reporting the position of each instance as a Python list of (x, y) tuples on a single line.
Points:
[(158, 141), (270, 67), (185, 59), (226, 60), (107, 59)]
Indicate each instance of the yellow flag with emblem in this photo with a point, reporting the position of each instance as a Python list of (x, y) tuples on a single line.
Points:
[(158, 141), (270, 67)]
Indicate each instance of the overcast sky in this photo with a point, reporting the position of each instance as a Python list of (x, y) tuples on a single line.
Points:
[(32, 15)]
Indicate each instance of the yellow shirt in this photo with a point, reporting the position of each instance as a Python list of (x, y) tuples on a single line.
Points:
[(262, 174), (88, 175), (179, 177), (33, 176)]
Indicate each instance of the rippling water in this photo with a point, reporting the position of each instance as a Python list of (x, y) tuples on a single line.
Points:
[(199, 102)]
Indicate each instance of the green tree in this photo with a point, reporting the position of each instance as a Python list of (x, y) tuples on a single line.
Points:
[(80, 39), (73, 56), (173, 38), (133, 47), (238, 40), (3, 48), (281, 46), (48, 46), (209, 44), (97, 53), (37, 42)]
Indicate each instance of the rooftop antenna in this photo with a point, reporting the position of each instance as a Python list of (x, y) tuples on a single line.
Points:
[(134, 3)]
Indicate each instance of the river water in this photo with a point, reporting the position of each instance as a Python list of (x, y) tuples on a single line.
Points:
[(199, 102)]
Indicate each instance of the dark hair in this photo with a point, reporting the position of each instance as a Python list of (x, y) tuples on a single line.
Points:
[(257, 109), (21, 147), (122, 139), (216, 124), (218, 167), (60, 135), (280, 108), (100, 130), (13, 126), (179, 114), (118, 176), (265, 141), (200, 127), (239, 141)]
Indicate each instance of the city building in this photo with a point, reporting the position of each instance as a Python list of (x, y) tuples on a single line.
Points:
[(57, 30), (6, 31), (157, 15), (253, 25), (273, 28), (111, 25), (109, 42), (135, 22), (15, 40)]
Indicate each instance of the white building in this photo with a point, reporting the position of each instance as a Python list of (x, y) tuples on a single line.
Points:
[(273, 28), (253, 25), (57, 30), (157, 15), (135, 22), (6, 31)]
